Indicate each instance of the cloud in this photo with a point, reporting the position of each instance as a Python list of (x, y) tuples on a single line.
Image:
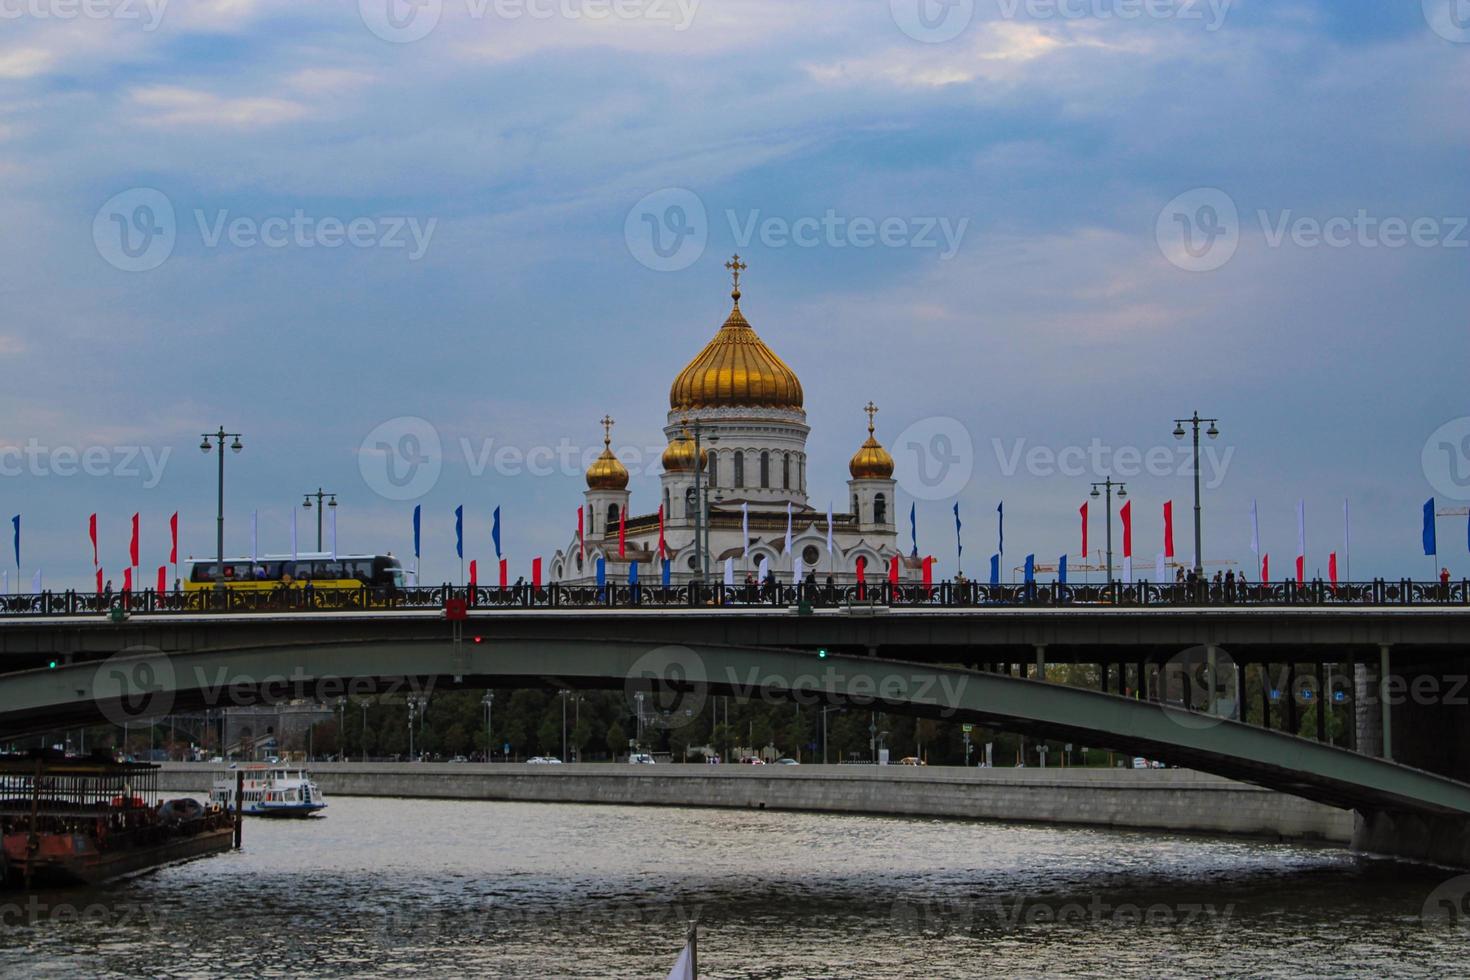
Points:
[(25, 62), (168, 105)]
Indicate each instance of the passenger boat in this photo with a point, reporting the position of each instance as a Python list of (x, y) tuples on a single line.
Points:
[(87, 821), (269, 791)]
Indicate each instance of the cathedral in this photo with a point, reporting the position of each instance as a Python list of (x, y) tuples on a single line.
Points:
[(742, 407)]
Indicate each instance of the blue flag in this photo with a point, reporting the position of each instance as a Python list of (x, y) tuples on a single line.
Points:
[(959, 543), (418, 511), (495, 532), (601, 571), (914, 528), (1000, 526), (667, 571), (633, 573), (1030, 569), (16, 521), (459, 531), (1062, 571), (1431, 547), (995, 569)]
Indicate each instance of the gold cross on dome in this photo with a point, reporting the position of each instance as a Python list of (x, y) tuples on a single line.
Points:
[(607, 424), (872, 410), (736, 267)]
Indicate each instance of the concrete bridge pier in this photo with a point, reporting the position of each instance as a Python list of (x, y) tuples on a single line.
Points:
[(1416, 837)]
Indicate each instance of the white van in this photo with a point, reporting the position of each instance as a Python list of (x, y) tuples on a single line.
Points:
[(640, 759)]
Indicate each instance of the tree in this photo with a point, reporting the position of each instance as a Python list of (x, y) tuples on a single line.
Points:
[(617, 739)]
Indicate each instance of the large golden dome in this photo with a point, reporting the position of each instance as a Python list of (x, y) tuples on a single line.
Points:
[(607, 472), (736, 369), (679, 456), (871, 461)]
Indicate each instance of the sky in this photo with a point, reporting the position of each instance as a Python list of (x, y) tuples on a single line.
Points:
[(413, 250)]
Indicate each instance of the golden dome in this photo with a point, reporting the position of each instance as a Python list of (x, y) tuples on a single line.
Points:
[(736, 368), (871, 461), (679, 457), (606, 471)]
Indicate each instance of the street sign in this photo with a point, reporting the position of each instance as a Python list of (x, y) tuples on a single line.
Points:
[(456, 609), (967, 729)]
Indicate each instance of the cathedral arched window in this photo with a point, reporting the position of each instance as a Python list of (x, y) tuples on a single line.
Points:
[(713, 469), (855, 506), (765, 471), (880, 509), (668, 511), (612, 515), (739, 469), (689, 504), (786, 471)]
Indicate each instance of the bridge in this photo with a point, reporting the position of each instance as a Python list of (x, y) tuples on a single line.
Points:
[(1173, 675)]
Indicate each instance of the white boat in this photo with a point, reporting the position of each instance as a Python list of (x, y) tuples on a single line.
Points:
[(270, 791)]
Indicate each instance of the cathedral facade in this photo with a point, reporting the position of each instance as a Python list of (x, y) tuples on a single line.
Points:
[(740, 404)]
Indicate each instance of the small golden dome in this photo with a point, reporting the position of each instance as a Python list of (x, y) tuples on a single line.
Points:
[(607, 472), (679, 457), (736, 368), (871, 461)]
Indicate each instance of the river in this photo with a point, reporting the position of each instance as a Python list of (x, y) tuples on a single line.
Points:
[(385, 887)]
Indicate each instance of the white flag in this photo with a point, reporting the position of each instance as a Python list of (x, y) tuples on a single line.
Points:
[(729, 571), (1161, 568), (1347, 536), (1128, 569), (745, 530), (5, 583), (254, 549), (683, 966), (36, 582), (763, 569), (293, 534), (798, 569), (1255, 531), (332, 522), (829, 529), (787, 549)]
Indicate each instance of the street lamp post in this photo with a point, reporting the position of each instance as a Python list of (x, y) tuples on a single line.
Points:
[(701, 503), (331, 499), (1214, 433), (362, 733), (825, 711), (489, 702), (1107, 490), (205, 446), (416, 707)]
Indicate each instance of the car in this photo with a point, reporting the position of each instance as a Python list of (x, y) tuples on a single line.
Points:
[(543, 760), (640, 759), (459, 758), (218, 760), (787, 762), (1140, 763), (273, 760), (912, 760), (753, 761)]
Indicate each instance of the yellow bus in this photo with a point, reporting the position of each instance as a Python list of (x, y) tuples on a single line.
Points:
[(381, 573)]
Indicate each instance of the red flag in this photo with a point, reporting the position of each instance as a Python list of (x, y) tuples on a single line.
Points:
[(661, 548), (133, 544), (173, 539), (622, 533), (1127, 514), (127, 580), (1301, 567), (1332, 569), (1083, 512), (474, 574), (581, 542), (162, 579), (862, 576), (535, 573), (1168, 529), (92, 531), (99, 579), (928, 575), (504, 572), (893, 570), (1265, 569)]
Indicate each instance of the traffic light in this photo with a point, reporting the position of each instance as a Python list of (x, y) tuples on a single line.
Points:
[(821, 653), (51, 664)]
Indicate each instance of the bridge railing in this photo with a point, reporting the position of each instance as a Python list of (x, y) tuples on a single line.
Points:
[(942, 595)]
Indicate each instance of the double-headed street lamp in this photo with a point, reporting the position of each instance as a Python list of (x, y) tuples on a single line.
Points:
[(489, 702), (1106, 488), (701, 518), (1213, 432), (416, 707), (205, 446), (331, 502)]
